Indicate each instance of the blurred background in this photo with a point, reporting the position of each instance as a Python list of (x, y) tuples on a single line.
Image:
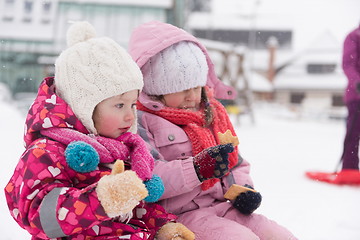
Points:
[(282, 56), (274, 51)]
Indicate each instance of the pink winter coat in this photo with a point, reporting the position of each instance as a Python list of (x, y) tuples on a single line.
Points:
[(206, 213), (50, 199), (173, 151)]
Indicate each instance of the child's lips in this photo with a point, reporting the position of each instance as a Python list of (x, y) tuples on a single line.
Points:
[(125, 129), (190, 108)]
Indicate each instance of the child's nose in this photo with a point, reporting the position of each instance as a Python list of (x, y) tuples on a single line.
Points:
[(129, 116)]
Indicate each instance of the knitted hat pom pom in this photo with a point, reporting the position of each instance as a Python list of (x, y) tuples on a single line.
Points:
[(81, 156), (155, 187), (79, 32)]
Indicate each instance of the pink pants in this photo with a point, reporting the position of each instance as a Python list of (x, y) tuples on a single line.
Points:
[(222, 221)]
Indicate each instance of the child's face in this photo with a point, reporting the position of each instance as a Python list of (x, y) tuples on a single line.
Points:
[(114, 116), (187, 99)]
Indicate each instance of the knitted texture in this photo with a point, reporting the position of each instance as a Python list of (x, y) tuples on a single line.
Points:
[(174, 231), (107, 148), (213, 162), (120, 193), (91, 70), (247, 202), (201, 137), (81, 157), (130, 148), (177, 68), (141, 160), (155, 188)]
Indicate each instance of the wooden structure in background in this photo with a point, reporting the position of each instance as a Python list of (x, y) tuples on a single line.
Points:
[(229, 66)]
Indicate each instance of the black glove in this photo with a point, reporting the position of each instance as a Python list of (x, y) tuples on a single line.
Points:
[(247, 202), (213, 162)]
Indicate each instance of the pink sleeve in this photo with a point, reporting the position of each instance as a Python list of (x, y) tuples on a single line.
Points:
[(41, 197), (351, 57), (239, 175), (179, 176)]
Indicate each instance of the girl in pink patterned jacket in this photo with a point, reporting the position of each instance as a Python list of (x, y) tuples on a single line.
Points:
[(80, 123)]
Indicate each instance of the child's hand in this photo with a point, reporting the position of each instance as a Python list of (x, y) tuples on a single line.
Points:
[(213, 162), (130, 139), (174, 231), (247, 202), (142, 161), (119, 193)]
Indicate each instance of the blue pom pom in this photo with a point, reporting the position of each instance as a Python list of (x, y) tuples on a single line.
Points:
[(81, 157), (155, 188)]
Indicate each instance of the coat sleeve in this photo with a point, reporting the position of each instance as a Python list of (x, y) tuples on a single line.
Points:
[(178, 175), (351, 58), (42, 198), (240, 175)]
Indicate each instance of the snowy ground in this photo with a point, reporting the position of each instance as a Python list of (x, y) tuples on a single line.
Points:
[(280, 148)]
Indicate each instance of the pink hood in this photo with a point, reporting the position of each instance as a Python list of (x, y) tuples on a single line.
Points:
[(49, 111), (150, 38)]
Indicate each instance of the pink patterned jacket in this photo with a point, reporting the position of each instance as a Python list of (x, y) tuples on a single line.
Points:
[(51, 200)]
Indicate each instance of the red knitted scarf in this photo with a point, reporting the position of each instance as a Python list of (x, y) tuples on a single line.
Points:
[(201, 137)]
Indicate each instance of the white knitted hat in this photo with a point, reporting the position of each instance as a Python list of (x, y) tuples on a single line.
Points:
[(177, 68), (91, 70)]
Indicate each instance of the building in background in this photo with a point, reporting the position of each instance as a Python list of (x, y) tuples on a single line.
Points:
[(283, 61), (32, 32), (313, 82)]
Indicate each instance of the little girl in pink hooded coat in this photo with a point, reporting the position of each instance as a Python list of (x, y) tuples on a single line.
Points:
[(196, 168)]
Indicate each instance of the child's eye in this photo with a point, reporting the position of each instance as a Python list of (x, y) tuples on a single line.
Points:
[(120, 105)]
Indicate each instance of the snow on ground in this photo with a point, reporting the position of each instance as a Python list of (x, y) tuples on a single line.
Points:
[(11, 147), (280, 148)]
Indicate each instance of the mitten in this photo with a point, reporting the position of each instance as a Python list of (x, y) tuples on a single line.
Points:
[(247, 202), (155, 188), (213, 162), (120, 192), (142, 163), (141, 159), (174, 231)]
